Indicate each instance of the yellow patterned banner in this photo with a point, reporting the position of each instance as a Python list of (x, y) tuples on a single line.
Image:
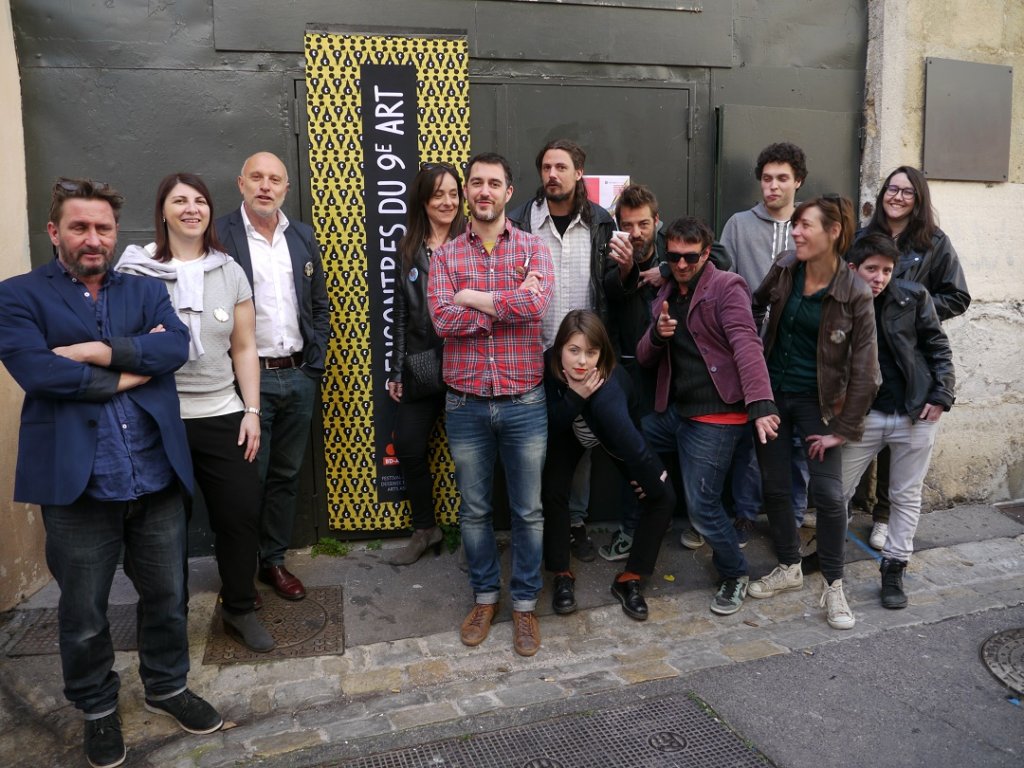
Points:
[(378, 105)]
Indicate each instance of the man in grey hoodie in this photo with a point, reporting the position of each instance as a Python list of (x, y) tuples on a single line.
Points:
[(753, 239)]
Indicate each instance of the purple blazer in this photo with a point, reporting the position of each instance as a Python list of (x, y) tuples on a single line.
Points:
[(722, 324)]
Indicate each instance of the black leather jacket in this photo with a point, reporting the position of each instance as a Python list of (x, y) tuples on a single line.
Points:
[(937, 269), (601, 228), (919, 345), (413, 330)]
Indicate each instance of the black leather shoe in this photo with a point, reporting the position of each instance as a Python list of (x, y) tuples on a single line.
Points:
[(633, 603), (563, 598)]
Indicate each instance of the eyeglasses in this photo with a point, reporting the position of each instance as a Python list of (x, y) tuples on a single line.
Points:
[(691, 257), (907, 193)]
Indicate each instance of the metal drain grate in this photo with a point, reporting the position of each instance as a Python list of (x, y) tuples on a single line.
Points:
[(1003, 654), (41, 637), (670, 732), (309, 627)]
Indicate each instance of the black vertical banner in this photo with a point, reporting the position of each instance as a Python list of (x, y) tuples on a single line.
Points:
[(390, 157)]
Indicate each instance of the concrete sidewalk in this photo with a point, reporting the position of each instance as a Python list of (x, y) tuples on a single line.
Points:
[(405, 672)]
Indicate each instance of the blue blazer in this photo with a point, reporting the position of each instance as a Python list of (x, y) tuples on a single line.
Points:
[(308, 274), (63, 398)]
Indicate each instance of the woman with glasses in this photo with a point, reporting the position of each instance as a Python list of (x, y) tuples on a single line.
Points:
[(219, 386), (436, 215), (903, 211), (822, 356)]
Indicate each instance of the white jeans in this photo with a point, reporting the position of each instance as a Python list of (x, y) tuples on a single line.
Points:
[(911, 447)]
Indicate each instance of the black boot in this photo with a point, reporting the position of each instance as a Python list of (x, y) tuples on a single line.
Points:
[(563, 597), (893, 595)]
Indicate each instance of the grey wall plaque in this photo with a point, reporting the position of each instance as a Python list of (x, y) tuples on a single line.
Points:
[(967, 120)]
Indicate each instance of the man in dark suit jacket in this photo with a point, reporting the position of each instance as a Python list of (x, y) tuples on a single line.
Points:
[(282, 261), (102, 450)]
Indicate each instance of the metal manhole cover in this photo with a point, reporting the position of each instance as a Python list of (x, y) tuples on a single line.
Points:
[(302, 628), (671, 732), (1003, 654), (41, 637)]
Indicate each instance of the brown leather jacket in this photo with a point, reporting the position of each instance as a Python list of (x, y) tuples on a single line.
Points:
[(848, 375)]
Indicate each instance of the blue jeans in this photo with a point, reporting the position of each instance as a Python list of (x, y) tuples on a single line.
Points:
[(286, 402), (479, 431), (705, 453), (83, 543)]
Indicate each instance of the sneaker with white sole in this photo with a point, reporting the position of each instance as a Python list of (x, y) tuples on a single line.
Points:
[(729, 597), (879, 532), (783, 578), (618, 548), (836, 608), (691, 539)]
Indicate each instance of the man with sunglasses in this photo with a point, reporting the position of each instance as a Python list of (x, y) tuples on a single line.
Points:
[(103, 452), (712, 383)]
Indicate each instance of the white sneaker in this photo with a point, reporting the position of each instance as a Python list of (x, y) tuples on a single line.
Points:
[(834, 602), (783, 579), (879, 532)]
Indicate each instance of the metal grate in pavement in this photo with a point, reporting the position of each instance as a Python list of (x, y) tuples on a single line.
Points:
[(309, 627), (1003, 654), (673, 732), (41, 638)]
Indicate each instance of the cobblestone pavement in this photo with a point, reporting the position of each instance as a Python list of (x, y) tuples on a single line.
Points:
[(322, 705)]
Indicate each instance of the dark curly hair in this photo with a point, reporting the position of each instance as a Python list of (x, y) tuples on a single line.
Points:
[(783, 152)]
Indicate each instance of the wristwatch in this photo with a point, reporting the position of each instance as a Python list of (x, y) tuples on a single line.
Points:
[(250, 409)]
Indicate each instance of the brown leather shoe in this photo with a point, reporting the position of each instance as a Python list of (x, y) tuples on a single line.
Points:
[(525, 633), (285, 583), (477, 625)]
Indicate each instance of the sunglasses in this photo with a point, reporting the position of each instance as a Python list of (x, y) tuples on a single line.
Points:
[(80, 186), (434, 166), (691, 257)]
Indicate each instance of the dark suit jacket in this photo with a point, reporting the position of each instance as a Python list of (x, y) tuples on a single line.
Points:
[(308, 273), (63, 398)]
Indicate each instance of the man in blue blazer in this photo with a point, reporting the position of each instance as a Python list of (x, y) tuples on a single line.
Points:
[(282, 261), (102, 450)]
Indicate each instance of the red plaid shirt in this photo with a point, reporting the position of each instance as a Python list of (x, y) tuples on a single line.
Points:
[(484, 355)]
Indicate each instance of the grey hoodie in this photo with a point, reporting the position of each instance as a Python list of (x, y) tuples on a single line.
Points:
[(753, 239)]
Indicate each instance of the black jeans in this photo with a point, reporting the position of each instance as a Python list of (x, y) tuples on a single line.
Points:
[(231, 489), (608, 418), (414, 423), (801, 413)]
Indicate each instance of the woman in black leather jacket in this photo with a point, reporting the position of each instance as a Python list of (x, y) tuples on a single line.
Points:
[(903, 211), (917, 387), (436, 206)]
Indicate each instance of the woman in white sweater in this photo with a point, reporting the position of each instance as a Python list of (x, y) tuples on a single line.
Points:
[(212, 296)]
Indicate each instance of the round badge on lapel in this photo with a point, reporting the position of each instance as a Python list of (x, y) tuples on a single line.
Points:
[(221, 314), (414, 275), (308, 269)]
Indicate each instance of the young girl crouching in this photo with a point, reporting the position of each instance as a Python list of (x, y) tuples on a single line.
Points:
[(590, 403)]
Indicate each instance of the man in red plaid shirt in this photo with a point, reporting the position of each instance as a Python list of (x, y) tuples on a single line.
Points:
[(487, 293)]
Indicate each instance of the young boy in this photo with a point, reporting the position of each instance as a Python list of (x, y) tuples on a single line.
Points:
[(917, 386)]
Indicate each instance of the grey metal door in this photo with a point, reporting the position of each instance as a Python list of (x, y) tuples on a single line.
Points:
[(643, 131), (830, 140)]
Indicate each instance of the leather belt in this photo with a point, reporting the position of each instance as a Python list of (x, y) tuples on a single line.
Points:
[(273, 363)]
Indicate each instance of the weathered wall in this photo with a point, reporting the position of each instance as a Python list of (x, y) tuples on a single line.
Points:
[(22, 569), (980, 449)]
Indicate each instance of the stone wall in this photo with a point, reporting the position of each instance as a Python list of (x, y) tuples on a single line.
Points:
[(22, 568), (979, 455)]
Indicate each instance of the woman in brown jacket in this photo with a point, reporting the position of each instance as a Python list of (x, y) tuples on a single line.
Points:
[(821, 348)]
